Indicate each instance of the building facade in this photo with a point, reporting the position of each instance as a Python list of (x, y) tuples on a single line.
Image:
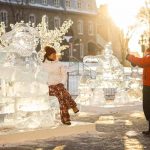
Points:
[(110, 32), (83, 13)]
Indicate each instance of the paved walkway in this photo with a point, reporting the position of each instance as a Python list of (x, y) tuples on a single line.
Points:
[(114, 131)]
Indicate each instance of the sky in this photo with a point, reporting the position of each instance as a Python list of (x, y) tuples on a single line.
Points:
[(123, 13)]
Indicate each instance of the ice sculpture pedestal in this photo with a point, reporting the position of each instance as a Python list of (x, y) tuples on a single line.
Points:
[(25, 113), (110, 108)]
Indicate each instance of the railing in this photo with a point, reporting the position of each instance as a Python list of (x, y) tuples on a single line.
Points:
[(75, 74), (75, 67)]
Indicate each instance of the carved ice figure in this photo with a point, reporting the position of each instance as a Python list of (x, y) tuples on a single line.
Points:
[(24, 95), (25, 102), (104, 80), (110, 71), (135, 85), (22, 39)]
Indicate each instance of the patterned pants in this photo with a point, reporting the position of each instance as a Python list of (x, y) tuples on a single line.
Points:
[(65, 100)]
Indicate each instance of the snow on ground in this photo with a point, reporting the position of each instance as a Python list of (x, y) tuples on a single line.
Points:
[(93, 128), (113, 131)]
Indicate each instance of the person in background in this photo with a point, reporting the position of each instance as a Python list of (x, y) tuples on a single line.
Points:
[(56, 81), (144, 63)]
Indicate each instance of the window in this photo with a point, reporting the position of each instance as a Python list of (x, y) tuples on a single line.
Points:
[(89, 6), (56, 22), (46, 19), (68, 3), (4, 17), (44, 2), (56, 3), (79, 3), (81, 50), (19, 1), (32, 19), (32, 1), (80, 27), (90, 28), (17, 17)]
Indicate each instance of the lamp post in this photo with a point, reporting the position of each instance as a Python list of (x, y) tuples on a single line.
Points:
[(77, 44), (145, 37), (147, 2), (68, 39), (142, 42)]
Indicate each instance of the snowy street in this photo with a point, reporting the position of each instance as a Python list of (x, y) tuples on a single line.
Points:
[(113, 131)]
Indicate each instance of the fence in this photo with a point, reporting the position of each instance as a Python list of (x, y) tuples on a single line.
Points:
[(73, 83)]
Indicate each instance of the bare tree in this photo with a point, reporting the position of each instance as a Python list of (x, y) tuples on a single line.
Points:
[(124, 38), (144, 19)]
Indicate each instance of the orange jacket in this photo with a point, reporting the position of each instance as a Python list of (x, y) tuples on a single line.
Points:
[(143, 63)]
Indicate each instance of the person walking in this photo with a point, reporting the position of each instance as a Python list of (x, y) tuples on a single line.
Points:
[(57, 77), (144, 63)]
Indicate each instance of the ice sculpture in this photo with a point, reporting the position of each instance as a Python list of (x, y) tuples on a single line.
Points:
[(135, 84), (22, 93), (24, 99), (104, 80), (52, 38)]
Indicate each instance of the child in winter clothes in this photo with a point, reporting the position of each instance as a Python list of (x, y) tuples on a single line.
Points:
[(56, 80)]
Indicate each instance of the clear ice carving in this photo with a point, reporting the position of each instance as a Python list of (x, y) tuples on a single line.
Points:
[(23, 94), (105, 79), (24, 98)]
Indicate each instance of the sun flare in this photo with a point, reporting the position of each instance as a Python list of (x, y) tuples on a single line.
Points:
[(123, 13)]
